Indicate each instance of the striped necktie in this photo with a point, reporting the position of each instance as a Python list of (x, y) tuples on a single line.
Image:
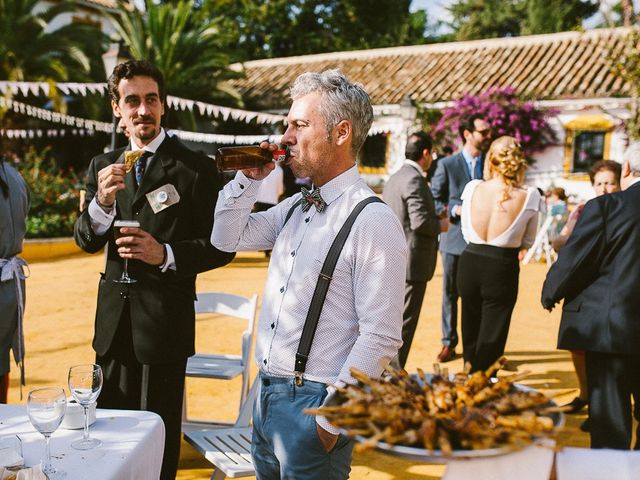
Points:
[(141, 165)]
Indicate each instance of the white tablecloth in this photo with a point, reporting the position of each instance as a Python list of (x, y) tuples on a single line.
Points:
[(132, 444), (535, 463)]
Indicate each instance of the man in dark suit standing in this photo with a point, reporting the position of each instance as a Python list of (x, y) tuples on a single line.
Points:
[(407, 193), (449, 180), (597, 274), (144, 331)]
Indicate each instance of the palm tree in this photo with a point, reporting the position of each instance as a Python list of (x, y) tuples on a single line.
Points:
[(628, 15), (186, 46), (30, 51)]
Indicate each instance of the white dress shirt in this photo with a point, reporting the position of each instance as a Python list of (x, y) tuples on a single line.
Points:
[(361, 321), (101, 218)]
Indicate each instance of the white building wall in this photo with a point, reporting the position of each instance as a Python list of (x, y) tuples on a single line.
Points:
[(63, 19)]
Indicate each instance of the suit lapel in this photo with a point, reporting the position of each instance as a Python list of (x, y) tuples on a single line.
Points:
[(157, 172)]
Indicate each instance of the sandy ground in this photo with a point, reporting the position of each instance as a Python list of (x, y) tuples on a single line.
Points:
[(61, 298)]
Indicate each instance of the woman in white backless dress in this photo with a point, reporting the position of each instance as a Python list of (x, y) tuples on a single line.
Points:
[(499, 219)]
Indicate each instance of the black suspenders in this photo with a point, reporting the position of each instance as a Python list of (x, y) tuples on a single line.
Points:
[(320, 292)]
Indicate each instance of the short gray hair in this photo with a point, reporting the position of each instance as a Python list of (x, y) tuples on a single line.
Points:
[(341, 100), (632, 157)]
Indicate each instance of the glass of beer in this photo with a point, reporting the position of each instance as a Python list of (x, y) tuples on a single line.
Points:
[(117, 225)]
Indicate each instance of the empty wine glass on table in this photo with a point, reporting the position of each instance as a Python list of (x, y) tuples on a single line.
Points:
[(85, 383), (46, 408), (117, 225)]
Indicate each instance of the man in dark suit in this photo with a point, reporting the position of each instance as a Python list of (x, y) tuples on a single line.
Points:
[(407, 193), (597, 274), (144, 331), (449, 180)]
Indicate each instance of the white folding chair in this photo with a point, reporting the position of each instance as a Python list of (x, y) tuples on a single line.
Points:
[(220, 366), (228, 449)]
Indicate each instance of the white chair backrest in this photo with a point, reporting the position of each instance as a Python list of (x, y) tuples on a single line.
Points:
[(227, 304), (232, 306)]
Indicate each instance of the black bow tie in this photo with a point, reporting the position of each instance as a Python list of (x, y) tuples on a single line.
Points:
[(312, 198)]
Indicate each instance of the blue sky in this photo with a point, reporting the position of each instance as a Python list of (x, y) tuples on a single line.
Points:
[(435, 8)]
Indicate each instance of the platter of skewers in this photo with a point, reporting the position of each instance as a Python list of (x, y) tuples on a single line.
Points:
[(435, 417)]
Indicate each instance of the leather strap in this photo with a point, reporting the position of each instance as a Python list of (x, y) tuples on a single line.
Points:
[(320, 292)]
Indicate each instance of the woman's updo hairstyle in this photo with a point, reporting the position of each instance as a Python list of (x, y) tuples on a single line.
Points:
[(506, 159)]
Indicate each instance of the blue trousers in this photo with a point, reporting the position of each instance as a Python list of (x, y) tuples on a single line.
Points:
[(285, 443)]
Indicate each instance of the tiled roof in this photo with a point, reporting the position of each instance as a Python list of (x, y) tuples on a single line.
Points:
[(555, 66)]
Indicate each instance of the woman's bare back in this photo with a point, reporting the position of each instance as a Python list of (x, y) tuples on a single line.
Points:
[(490, 216)]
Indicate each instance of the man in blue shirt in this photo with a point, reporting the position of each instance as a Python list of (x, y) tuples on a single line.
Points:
[(452, 174)]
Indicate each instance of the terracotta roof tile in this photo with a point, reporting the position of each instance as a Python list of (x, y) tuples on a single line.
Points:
[(546, 67)]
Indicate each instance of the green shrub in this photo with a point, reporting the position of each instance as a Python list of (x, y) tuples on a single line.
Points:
[(54, 195)]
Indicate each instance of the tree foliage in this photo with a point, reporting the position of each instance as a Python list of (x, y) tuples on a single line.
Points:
[(476, 19), (30, 50), (506, 112), (627, 66), (188, 48), (278, 28), (54, 195), (549, 16)]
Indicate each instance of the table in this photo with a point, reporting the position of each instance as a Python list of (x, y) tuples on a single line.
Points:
[(132, 444), (536, 462)]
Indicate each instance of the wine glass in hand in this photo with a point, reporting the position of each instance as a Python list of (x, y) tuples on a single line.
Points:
[(46, 408), (117, 225), (85, 383)]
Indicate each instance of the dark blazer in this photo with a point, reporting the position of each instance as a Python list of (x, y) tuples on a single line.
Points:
[(161, 304), (598, 275), (449, 180), (409, 196)]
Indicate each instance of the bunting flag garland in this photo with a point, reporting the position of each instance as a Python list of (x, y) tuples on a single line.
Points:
[(36, 88), (83, 89), (224, 139), (44, 133), (68, 88), (54, 117)]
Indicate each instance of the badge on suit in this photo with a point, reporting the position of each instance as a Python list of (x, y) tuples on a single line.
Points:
[(163, 197)]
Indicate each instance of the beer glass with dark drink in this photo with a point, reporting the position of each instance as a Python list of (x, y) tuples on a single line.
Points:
[(117, 225)]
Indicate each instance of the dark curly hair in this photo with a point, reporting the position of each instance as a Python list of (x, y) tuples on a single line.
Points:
[(131, 69)]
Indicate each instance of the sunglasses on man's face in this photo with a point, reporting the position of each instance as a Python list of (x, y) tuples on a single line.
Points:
[(485, 133)]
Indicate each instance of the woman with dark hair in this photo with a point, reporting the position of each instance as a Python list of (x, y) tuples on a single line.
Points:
[(499, 218), (605, 178)]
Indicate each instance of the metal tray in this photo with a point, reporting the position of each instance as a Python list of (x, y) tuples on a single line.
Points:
[(436, 456)]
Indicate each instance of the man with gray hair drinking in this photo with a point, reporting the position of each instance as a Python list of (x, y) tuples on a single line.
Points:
[(307, 343)]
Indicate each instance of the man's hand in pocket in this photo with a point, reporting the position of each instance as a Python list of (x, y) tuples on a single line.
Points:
[(327, 439)]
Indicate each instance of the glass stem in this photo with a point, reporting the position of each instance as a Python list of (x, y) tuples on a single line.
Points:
[(86, 423), (125, 273), (47, 453)]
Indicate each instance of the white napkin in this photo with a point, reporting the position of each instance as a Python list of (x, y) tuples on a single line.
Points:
[(531, 463), (33, 473), (9, 457), (597, 464)]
